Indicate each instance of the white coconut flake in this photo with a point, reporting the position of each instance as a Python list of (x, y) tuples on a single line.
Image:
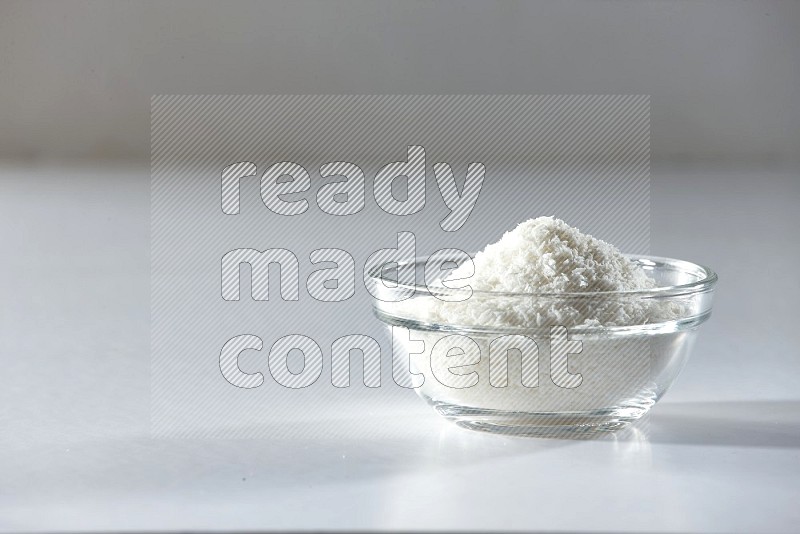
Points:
[(547, 255)]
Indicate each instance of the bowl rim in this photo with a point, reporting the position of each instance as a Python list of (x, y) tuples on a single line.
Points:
[(707, 281)]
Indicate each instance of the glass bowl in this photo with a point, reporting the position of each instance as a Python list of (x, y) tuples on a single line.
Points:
[(549, 376)]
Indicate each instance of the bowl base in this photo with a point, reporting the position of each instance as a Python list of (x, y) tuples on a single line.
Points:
[(575, 425)]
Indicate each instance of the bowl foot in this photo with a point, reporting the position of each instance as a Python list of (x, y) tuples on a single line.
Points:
[(574, 425)]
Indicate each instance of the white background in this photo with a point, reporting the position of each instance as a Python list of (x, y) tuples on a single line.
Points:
[(720, 453)]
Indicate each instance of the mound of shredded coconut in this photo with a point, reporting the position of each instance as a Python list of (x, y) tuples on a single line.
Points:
[(546, 255)]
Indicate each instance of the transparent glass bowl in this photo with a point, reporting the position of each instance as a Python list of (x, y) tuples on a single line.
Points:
[(546, 384)]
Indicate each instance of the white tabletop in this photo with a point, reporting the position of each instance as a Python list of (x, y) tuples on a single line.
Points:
[(721, 452)]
